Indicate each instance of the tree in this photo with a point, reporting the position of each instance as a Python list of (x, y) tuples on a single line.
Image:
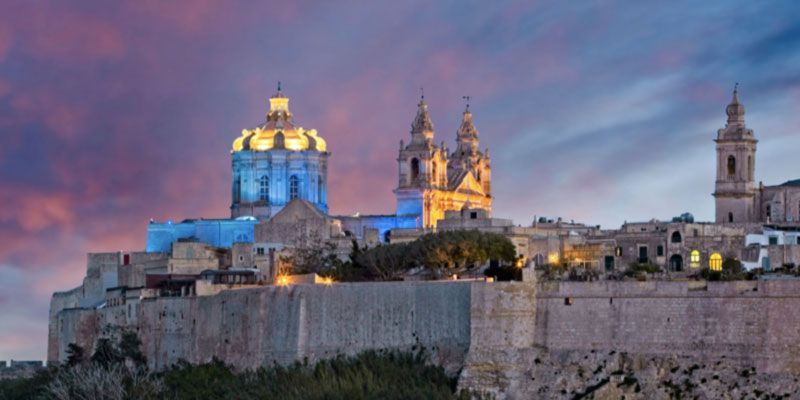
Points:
[(105, 354), (130, 348), (75, 355)]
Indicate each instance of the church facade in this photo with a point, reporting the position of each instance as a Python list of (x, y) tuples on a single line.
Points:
[(276, 162), (432, 181), (737, 197)]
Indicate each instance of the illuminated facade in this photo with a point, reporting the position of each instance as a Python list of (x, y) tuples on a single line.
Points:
[(277, 162), (431, 181)]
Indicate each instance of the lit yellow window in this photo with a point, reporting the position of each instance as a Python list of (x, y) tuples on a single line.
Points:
[(715, 262), (694, 259)]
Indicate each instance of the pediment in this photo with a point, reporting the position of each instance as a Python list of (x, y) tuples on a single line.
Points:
[(469, 185)]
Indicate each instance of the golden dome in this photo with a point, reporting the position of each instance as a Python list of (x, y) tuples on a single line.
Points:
[(279, 131)]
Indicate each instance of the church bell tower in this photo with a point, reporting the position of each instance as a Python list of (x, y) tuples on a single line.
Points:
[(735, 188)]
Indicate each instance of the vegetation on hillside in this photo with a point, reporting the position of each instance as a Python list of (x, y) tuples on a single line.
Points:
[(119, 371)]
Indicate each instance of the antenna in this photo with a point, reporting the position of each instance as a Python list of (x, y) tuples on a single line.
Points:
[(467, 99)]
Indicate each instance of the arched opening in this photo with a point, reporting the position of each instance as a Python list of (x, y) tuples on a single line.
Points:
[(237, 190), (676, 237), (715, 262), (538, 259), (263, 191), (434, 177), (749, 168), (294, 187), (694, 259), (414, 169), (676, 263), (769, 212), (618, 252), (731, 166), (730, 217)]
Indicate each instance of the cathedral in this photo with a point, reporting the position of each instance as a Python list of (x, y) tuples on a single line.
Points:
[(737, 198), (431, 181)]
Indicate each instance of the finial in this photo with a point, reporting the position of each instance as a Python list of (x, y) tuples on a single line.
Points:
[(421, 93), (279, 86), (467, 98)]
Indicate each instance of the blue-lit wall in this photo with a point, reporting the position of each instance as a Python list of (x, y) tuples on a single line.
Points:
[(277, 166), (383, 223), (215, 232)]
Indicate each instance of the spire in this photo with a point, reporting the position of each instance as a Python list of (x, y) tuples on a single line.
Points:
[(422, 122), (735, 110), (467, 129)]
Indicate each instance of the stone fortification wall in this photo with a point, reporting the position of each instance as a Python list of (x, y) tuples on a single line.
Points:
[(518, 340), (253, 327), (752, 321)]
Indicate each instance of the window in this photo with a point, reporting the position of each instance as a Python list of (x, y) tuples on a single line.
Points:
[(695, 232), (618, 252), (567, 301), (660, 251), (749, 168), (433, 172), (715, 262), (264, 189), (769, 212), (798, 240), (643, 254), (260, 251), (237, 189), (126, 259), (773, 240), (730, 217), (694, 259), (731, 166), (414, 169), (473, 215), (676, 237), (294, 187), (319, 189)]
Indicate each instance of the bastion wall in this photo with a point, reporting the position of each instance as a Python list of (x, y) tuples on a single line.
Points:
[(491, 331)]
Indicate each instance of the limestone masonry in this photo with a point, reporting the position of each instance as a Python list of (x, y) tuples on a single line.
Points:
[(206, 288)]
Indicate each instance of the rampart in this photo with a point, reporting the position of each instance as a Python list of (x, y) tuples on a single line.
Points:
[(493, 332)]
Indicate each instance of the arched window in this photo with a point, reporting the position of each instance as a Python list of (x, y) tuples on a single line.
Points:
[(478, 176), (294, 187), (263, 190), (319, 189), (676, 237), (433, 172), (694, 259), (715, 262), (749, 168), (730, 217), (769, 212), (731, 166), (414, 169), (618, 252), (237, 189)]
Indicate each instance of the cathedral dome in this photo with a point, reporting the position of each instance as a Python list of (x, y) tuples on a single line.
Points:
[(279, 122)]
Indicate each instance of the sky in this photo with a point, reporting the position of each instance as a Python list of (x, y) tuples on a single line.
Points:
[(113, 113)]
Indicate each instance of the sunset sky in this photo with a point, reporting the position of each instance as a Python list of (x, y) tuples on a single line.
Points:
[(113, 113)]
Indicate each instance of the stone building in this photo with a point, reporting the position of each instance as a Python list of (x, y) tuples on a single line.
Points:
[(737, 197), (276, 162), (431, 181)]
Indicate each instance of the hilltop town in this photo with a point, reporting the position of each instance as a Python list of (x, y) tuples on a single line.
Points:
[(267, 284)]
